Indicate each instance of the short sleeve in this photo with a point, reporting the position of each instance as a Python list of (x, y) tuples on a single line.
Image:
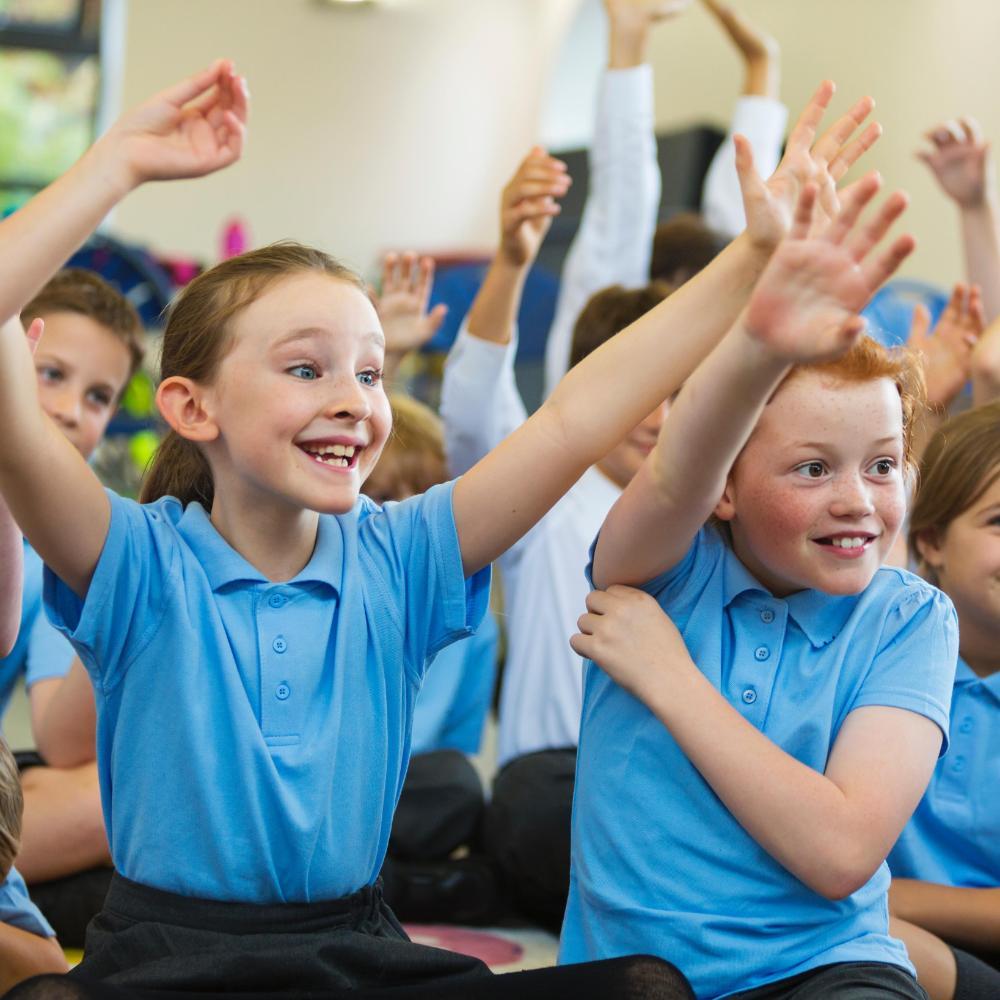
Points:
[(413, 552), (50, 654), (17, 909), (119, 616), (914, 667)]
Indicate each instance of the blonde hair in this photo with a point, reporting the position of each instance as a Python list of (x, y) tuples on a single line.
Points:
[(196, 338), (413, 459), (11, 809), (961, 462)]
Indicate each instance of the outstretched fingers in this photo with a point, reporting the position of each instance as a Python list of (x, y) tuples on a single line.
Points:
[(804, 132), (852, 204), (835, 138), (863, 239), (802, 219), (854, 150), (879, 269)]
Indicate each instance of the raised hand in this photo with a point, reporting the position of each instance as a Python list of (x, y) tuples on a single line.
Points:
[(985, 366), (759, 50), (823, 162), (960, 160), (402, 302), (630, 637), (528, 204), (193, 128), (641, 14), (805, 305), (947, 350)]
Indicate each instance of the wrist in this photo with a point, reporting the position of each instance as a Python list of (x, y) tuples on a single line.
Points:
[(627, 47), (762, 77), (110, 167)]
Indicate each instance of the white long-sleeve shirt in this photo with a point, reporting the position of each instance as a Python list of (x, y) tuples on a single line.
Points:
[(762, 120)]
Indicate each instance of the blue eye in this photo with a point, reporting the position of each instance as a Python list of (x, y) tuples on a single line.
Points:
[(49, 373), (370, 378), (307, 373), (811, 470)]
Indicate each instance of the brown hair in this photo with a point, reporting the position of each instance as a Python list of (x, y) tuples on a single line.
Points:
[(75, 290), (682, 246), (609, 311), (868, 360), (413, 459), (11, 808), (961, 462), (197, 337)]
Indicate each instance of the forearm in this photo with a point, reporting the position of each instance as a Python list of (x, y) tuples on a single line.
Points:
[(494, 311), (37, 239), (981, 243), (968, 918), (799, 816), (11, 577), (762, 76), (23, 954), (627, 43)]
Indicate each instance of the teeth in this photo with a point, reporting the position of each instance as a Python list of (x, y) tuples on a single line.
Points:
[(339, 450), (849, 543)]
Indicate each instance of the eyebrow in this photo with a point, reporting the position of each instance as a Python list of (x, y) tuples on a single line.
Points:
[(820, 446), (310, 332)]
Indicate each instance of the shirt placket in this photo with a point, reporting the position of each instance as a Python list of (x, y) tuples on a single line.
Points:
[(278, 703), (759, 628)]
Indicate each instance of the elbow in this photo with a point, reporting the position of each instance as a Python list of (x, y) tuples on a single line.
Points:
[(840, 877)]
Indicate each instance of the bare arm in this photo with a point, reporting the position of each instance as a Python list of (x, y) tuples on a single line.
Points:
[(803, 309), (969, 918), (64, 719), (618, 385), (830, 830), (760, 52), (985, 365), (23, 955), (960, 161), (190, 129)]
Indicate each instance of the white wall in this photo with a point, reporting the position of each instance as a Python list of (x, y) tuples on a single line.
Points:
[(396, 124)]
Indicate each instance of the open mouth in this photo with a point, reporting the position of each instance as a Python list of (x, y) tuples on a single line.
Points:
[(844, 545), (336, 456)]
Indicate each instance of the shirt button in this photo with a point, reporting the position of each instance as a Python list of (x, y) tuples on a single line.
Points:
[(767, 616), (761, 653), (749, 696), (959, 764), (282, 691), (276, 600), (279, 645), (966, 726)]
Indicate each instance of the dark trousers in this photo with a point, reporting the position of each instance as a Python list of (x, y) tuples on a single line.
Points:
[(978, 975), (527, 831), (843, 981), (149, 943)]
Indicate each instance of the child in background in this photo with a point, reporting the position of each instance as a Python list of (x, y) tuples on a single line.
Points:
[(945, 893), (90, 349), (753, 769), (28, 946), (441, 805), (285, 621), (528, 820)]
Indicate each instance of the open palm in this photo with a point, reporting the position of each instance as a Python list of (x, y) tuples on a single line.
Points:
[(805, 306)]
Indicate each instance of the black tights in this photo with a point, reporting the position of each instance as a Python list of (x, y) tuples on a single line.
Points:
[(638, 977)]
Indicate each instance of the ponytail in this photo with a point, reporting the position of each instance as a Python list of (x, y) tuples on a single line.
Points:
[(178, 469)]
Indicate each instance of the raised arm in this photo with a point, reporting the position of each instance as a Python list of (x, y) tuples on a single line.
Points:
[(191, 129), (11, 544), (960, 160), (614, 242), (803, 309), (607, 394), (480, 402), (402, 304), (759, 116)]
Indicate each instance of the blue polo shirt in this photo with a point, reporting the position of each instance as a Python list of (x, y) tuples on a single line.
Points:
[(17, 909), (659, 865), (455, 698), (40, 652), (252, 737), (954, 836)]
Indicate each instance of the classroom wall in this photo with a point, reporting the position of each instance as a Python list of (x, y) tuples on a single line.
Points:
[(395, 124)]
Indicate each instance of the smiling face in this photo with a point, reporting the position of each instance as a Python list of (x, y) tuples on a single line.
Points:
[(82, 368), (817, 496), (298, 404), (965, 558)]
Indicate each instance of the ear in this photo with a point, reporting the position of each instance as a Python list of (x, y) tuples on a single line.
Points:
[(929, 548), (182, 404), (725, 509)]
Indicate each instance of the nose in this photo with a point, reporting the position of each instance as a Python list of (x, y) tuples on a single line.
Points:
[(852, 497), (349, 400), (64, 406)]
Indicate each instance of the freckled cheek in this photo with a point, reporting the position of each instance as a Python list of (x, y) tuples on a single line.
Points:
[(774, 518)]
